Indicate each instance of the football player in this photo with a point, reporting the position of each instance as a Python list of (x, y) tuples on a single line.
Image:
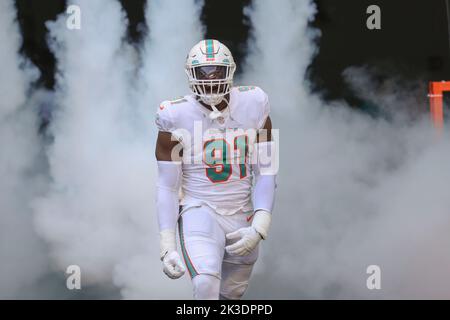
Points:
[(212, 181)]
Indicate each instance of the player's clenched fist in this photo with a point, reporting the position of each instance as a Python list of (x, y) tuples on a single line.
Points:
[(173, 266)]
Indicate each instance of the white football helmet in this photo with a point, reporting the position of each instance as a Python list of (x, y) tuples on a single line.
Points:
[(210, 69)]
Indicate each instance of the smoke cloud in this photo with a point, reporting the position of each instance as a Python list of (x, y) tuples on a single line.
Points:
[(353, 190), (99, 213), (22, 255), (174, 27), (90, 217)]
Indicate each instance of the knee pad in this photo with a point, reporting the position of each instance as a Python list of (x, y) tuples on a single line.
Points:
[(233, 290), (206, 287), (235, 280)]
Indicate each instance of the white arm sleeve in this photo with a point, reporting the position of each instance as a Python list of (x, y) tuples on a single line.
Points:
[(265, 168), (167, 202)]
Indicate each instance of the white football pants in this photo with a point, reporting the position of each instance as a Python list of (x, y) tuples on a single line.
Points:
[(215, 274)]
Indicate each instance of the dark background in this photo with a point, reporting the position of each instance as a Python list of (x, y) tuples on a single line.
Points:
[(413, 42)]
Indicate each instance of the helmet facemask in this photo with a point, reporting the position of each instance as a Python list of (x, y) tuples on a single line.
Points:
[(211, 82)]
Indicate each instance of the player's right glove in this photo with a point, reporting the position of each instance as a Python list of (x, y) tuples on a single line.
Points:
[(172, 265)]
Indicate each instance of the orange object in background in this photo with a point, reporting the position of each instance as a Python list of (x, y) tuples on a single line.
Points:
[(436, 95)]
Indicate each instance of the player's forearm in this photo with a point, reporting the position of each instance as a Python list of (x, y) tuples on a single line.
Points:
[(265, 170), (263, 202), (264, 193), (167, 208), (169, 181)]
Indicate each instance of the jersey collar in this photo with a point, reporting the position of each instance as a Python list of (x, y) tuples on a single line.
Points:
[(226, 112)]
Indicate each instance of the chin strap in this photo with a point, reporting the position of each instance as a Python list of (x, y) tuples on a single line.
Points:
[(215, 113)]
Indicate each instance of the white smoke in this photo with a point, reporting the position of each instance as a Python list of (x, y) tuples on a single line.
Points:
[(353, 191), (292, 37), (174, 26), (96, 213), (22, 255), (99, 213)]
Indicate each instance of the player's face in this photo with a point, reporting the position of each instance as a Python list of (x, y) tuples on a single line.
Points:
[(211, 73)]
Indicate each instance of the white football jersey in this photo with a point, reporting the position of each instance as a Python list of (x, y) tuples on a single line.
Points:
[(216, 153)]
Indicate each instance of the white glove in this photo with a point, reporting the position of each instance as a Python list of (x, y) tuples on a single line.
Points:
[(249, 237), (172, 265)]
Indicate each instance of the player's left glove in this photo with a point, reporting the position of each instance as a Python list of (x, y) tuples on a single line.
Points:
[(249, 237)]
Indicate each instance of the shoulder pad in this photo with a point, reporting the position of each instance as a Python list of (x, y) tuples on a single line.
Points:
[(163, 118), (257, 104), (178, 100), (245, 88)]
